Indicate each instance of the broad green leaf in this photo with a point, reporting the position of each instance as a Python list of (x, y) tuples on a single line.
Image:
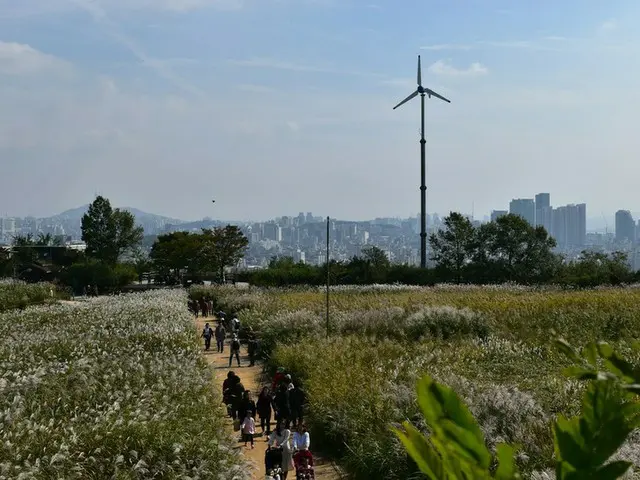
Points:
[(612, 471), (421, 451), (580, 373), (506, 463), (603, 425), (467, 444), (619, 365), (567, 443), (632, 388), (590, 353), (457, 423), (567, 350)]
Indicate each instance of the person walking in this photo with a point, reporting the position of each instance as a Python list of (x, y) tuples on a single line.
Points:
[(235, 397), (297, 400), (246, 405), (220, 334), (227, 386), (301, 438), (252, 347), (283, 407), (235, 349), (281, 437), (207, 333), (203, 308), (264, 407), (235, 325), (248, 428)]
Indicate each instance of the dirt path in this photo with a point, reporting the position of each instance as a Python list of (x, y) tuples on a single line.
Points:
[(251, 379)]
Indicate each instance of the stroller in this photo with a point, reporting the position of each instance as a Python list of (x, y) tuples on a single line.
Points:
[(273, 463), (303, 461)]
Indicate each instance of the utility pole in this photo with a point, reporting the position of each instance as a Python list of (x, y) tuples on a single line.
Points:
[(327, 295)]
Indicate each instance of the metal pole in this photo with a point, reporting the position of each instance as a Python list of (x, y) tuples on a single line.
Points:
[(423, 189), (327, 277)]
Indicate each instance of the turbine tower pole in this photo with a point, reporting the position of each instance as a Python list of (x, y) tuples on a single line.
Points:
[(422, 91), (423, 187)]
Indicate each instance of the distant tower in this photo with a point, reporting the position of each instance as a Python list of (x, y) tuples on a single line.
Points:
[(525, 207)]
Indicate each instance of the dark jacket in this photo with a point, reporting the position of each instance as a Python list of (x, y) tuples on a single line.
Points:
[(297, 399), (220, 332), (264, 405), (246, 405), (236, 392), (282, 401)]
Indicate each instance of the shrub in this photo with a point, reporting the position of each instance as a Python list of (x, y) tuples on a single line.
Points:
[(16, 294), (115, 387)]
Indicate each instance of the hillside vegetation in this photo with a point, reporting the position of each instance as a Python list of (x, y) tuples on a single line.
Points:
[(115, 387), (492, 345)]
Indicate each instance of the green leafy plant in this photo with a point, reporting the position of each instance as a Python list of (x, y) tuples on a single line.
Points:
[(455, 446)]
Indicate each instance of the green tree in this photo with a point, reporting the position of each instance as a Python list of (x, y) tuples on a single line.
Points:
[(371, 267), (140, 262), (452, 246), (513, 250), (376, 257), (109, 233), (223, 247), (597, 268), (174, 252)]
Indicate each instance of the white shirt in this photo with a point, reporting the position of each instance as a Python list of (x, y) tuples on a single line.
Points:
[(248, 426), (301, 441)]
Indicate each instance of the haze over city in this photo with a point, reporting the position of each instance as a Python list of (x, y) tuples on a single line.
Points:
[(277, 105)]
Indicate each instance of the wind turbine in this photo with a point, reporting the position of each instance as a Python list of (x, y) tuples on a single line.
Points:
[(422, 91)]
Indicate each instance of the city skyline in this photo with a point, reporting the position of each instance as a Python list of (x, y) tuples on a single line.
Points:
[(594, 222), (166, 104)]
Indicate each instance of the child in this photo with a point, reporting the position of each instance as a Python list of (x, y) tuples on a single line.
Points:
[(248, 428)]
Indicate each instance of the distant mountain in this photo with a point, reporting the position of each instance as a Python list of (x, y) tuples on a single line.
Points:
[(69, 221), (75, 214)]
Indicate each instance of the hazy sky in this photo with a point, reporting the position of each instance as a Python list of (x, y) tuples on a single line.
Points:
[(277, 106)]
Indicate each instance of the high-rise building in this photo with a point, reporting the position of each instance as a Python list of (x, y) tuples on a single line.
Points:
[(582, 224), (569, 225), (495, 214), (525, 207), (543, 201), (625, 227), (273, 231), (544, 218), (559, 226)]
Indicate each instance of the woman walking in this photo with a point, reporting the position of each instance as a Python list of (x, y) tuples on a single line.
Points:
[(264, 407), (281, 438)]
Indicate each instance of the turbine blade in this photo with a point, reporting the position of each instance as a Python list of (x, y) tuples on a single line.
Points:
[(419, 72), (431, 93), (413, 95)]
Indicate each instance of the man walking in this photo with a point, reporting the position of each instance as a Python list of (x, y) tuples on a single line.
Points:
[(207, 333), (235, 349), (221, 334)]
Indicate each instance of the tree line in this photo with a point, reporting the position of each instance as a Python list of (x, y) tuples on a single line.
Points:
[(114, 257), (508, 249)]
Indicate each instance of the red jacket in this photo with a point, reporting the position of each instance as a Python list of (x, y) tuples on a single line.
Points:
[(279, 377)]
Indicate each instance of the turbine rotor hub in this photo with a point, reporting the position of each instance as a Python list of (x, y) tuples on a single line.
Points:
[(421, 89)]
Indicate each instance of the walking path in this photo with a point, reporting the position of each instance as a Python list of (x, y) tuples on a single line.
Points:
[(252, 380)]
